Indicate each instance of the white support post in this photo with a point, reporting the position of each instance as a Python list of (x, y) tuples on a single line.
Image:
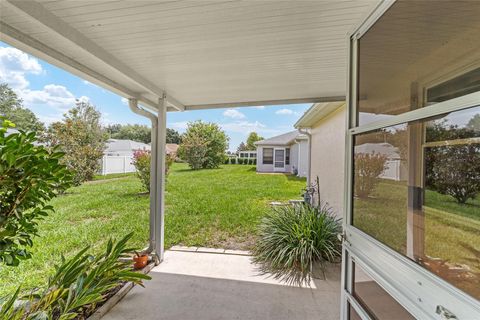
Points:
[(160, 181), (133, 104)]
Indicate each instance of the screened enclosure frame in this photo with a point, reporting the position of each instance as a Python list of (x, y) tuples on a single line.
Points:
[(418, 290)]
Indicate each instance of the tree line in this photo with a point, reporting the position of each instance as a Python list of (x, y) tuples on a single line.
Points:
[(80, 134)]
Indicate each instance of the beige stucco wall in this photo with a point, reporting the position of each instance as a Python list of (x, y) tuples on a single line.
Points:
[(328, 158)]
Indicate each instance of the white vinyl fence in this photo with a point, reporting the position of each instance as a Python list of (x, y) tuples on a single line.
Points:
[(117, 164)]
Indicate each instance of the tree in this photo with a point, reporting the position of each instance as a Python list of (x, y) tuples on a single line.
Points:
[(241, 147), (137, 132), (173, 136), (252, 138), (474, 123), (368, 167), (82, 139), (453, 169), (11, 107), (203, 145), (30, 176)]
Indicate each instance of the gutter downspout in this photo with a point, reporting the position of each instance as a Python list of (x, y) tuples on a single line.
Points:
[(306, 131), (133, 104)]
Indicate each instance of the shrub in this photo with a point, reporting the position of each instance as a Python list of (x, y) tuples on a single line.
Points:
[(141, 161), (82, 138), (291, 239), (203, 145), (368, 167), (255, 161), (454, 169), (77, 285), (30, 176), (227, 160)]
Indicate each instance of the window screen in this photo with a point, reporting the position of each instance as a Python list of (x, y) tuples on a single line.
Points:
[(267, 156)]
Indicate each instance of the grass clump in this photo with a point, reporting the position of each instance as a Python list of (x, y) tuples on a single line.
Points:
[(292, 239)]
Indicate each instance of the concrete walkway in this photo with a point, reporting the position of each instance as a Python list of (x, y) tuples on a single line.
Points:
[(208, 286)]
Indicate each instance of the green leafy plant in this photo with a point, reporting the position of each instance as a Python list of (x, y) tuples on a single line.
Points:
[(81, 136), (12, 108), (293, 238), (30, 176), (368, 168), (77, 286), (454, 169), (252, 138), (203, 145), (141, 161)]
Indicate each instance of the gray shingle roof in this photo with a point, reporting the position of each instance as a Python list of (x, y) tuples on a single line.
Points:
[(116, 145), (283, 139)]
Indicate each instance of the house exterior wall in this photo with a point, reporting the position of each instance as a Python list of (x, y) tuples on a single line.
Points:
[(328, 158), (293, 157), (269, 167), (302, 155)]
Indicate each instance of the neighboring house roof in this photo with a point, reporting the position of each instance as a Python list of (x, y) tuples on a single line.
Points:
[(317, 112), (171, 148), (117, 145), (283, 139), (379, 148)]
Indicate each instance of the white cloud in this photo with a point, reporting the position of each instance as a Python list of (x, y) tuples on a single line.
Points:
[(246, 127), (50, 102), (14, 65), (260, 107), (284, 112), (124, 101), (234, 114), (180, 125), (52, 96)]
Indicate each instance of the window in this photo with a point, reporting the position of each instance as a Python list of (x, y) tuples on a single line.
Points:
[(374, 299), (417, 190), (253, 155), (413, 46), (287, 156), (267, 156)]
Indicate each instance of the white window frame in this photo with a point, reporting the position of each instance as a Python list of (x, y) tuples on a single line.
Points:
[(415, 288)]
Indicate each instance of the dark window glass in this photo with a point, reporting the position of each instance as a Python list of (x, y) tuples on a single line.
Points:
[(414, 46), (374, 299), (267, 156), (417, 190), (287, 156)]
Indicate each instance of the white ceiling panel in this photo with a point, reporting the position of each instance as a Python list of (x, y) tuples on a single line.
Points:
[(202, 53)]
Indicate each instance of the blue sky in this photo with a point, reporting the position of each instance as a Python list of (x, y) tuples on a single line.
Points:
[(50, 91)]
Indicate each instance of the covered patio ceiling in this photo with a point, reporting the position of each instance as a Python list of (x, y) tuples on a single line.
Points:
[(197, 54)]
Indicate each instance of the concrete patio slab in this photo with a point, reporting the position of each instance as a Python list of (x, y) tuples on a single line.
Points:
[(183, 248), (210, 250), (206, 286)]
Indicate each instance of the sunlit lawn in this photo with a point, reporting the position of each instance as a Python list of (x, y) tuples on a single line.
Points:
[(213, 208), (452, 230)]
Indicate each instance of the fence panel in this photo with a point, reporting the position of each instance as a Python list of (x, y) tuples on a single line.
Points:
[(117, 164)]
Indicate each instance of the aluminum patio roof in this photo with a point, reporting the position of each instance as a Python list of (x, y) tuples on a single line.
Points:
[(201, 54)]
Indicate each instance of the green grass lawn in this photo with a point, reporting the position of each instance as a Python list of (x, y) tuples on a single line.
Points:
[(452, 230), (213, 208)]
